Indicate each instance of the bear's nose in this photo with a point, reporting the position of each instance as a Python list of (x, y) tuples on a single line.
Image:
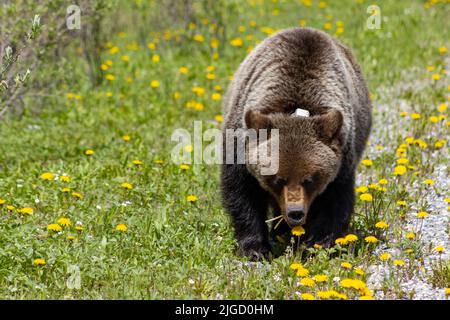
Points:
[(295, 215)]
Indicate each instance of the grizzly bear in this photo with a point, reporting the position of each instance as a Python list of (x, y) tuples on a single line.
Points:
[(297, 69)]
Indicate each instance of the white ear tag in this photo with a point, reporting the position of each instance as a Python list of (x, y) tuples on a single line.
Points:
[(301, 113)]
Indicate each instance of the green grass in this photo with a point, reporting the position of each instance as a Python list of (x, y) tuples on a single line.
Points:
[(177, 249)]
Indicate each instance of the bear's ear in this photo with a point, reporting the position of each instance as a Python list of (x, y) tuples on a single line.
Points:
[(329, 124), (256, 120)]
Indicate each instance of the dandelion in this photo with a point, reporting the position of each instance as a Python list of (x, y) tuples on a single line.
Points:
[(110, 77), (295, 266), (189, 148), (402, 161), (403, 114), (435, 77), (10, 208), (126, 137), (302, 272), (39, 262), (199, 38), (307, 282), (317, 246), (447, 291), (320, 278), (415, 116), (366, 197), (442, 49), (236, 42), (346, 265), (64, 222), (47, 176), (442, 107), (121, 227), (399, 170), (439, 249), (367, 162), (125, 58), (307, 296), (298, 231), (410, 236), (422, 215), (327, 26), (79, 228), (151, 46), (2, 201), (156, 58), (361, 189), (324, 294), (127, 185), (183, 70), (401, 203), (89, 152), (429, 182), (26, 210), (385, 256), (216, 96), (77, 195), (366, 298), (340, 241), (137, 162), (370, 239), (54, 227), (191, 198), (154, 84), (65, 190), (381, 225), (64, 178), (351, 238), (184, 167), (218, 118), (359, 271), (399, 263), (71, 238), (383, 181)]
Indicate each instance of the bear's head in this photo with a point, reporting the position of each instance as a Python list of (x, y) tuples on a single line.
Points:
[(309, 158)]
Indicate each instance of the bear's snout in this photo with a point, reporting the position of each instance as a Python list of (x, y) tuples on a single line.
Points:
[(295, 214), (295, 205)]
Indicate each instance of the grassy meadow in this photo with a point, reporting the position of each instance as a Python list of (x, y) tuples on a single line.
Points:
[(92, 206)]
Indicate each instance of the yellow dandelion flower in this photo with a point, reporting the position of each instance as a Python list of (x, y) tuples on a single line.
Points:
[(65, 190), (125, 58), (39, 262), (64, 222), (54, 227), (362, 189), (383, 181), (422, 215), (79, 228), (64, 178), (191, 198), (366, 197), (183, 70), (359, 271), (189, 148), (447, 291), (381, 225), (402, 203), (77, 195), (298, 231), (317, 246), (385, 256), (324, 294), (236, 42), (47, 176), (346, 265), (127, 185), (399, 170), (341, 241), (71, 238), (367, 162), (218, 118), (320, 278), (216, 96), (26, 210), (302, 272), (327, 26), (184, 167), (429, 182), (370, 239), (307, 282), (442, 107), (110, 77), (10, 208), (399, 263), (436, 77), (410, 235), (121, 227), (351, 238), (307, 296), (295, 266), (415, 116), (2, 201), (442, 49), (199, 38), (439, 249), (137, 162), (403, 114), (156, 58), (154, 84), (89, 152), (366, 298)]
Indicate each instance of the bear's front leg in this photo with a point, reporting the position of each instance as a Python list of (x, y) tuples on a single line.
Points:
[(330, 214), (247, 204)]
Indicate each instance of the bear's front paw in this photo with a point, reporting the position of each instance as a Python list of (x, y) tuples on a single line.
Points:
[(255, 251)]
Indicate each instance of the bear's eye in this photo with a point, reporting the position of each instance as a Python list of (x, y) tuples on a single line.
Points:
[(308, 182), (279, 182)]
